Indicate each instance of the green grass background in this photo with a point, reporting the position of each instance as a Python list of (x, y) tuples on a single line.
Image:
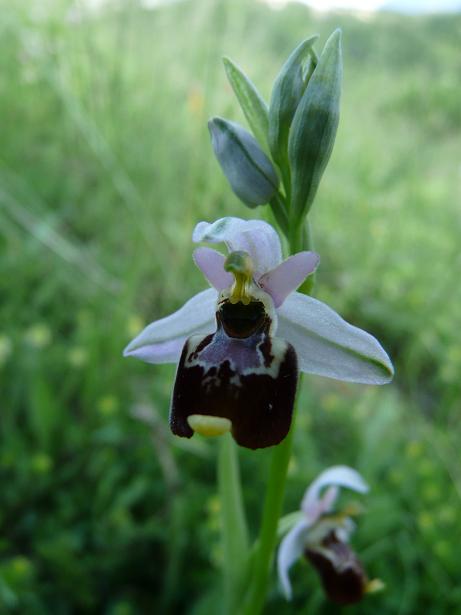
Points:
[(105, 167)]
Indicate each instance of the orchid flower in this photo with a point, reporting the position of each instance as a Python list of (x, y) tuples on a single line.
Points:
[(322, 537), (239, 344)]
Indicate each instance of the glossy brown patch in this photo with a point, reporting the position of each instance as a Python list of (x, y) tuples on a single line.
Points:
[(341, 572), (248, 384)]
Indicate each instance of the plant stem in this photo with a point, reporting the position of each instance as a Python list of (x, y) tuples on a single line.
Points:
[(307, 286), (299, 239), (278, 209), (296, 238), (233, 522), (271, 513)]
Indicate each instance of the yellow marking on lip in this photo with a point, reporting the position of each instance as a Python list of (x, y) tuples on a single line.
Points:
[(208, 426), (239, 263)]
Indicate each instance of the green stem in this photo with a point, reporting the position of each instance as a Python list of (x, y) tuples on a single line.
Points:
[(286, 177), (308, 242), (299, 239), (296, 238), (271, 513), (278, 207), (307, 286), (234, 528)]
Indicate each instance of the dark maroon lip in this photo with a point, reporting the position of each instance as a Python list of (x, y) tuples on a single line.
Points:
[(341, 572), (234, 373)]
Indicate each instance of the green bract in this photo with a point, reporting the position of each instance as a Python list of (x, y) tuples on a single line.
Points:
[(286, 94), (313, 129), (247, 168)]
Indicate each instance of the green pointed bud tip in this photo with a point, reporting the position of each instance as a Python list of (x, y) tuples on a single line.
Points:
[(288, 89), (228, 64), (314, 126), (248, 170), (337, 34)]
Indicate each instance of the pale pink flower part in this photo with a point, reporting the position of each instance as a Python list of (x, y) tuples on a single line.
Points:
[(325, 344)]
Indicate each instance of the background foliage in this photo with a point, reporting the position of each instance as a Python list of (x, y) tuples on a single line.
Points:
[(105, 167)]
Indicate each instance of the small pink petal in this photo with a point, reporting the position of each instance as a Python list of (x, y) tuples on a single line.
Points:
[(329, 498), (211, 264), (286, 277), (321, 506)]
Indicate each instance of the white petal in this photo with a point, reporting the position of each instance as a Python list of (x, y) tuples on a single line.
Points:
[(328, 345), (163, 340), (336, 476), (290, 550), (287, 276), (211, 264), (256, 237)]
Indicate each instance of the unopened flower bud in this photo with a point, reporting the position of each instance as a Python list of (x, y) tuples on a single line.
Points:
[(247, 168)]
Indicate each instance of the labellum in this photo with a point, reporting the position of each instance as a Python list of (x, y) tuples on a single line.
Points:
[(342, 574), (241, 372)]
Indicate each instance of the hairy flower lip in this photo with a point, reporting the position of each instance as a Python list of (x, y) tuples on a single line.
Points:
[(251, 381), (341, 572)]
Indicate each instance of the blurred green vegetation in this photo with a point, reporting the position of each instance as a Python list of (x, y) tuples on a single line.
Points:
[(105, 167)]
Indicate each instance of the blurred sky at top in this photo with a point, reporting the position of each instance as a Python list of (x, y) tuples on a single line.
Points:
[(406, 6)]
